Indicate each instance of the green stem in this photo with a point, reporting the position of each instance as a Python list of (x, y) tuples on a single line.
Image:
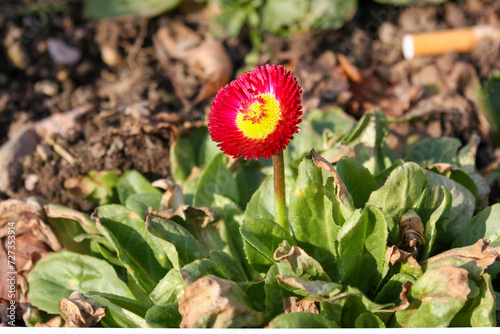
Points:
[(279, 190)]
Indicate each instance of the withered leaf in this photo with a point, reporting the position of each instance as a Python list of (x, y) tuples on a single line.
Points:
[(475, 258), (79, 311), (299, 261), (27, 216), (315, 288), (342, 192), (213, 302), (294, 304), (403, 295), (412, 234)]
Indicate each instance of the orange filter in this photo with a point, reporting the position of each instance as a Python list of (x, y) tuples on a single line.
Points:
[(440, 42)]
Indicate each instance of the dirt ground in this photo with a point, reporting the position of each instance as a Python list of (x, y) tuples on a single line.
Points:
[(131, 85)]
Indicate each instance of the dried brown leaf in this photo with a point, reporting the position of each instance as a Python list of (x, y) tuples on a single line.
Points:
[(294, 304), (412, 233), (27, 216), (172, 198), (397, 255), (443, 167), (79, 311), (403, 295), (213, 302), (206, 59)]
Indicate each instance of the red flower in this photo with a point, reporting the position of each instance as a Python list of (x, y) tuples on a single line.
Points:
[(257, 114)]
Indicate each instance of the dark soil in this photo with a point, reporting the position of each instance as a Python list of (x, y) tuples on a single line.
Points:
[(141, 94)]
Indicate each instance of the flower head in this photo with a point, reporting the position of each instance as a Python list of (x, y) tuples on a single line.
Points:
[(257, 114)]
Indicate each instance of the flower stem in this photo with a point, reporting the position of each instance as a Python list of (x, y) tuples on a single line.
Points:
[(279, 190)]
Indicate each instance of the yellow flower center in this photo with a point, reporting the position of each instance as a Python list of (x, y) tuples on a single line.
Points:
[(259, 116)]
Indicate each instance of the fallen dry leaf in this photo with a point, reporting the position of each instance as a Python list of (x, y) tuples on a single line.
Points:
[(213, 302), (27, 216), (294, 304), (79, 311), (206, 60)]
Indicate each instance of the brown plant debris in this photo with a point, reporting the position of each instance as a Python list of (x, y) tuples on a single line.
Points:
[(412, 234), (213, 302), (475, 258), (294, 304), (79, 311)]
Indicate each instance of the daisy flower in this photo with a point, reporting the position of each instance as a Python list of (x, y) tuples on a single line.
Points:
[(257, 114)]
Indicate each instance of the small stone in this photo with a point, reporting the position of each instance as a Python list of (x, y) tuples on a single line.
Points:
[(30, 182), (62, 53), (46, 87)]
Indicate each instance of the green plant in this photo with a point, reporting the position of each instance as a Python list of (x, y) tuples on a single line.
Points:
[(348, 257)]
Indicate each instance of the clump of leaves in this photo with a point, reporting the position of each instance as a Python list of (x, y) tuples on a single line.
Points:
[(374, 240)]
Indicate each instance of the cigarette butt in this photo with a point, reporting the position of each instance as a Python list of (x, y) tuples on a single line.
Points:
[(444, 41)]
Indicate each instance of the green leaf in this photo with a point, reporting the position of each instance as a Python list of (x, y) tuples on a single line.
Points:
[(479, 311), (311, 288), (435, 150), (192, 150), (462, 206), (311, 216), (197, 269), (410, 2), (261, 204), (142, 204), (401, 192), (368, 140), (102, 9), (362, 249), (141, 254), (59, 274), (180, 246), (483, 226), (100, 186), (332, 119), (436, 222), (275, 293), (368, 320), (229, 268), (133, 182), (120, 311), (216, 179), (248, 178), (435, 298), (169, 289), (346, 307), (300, 15), (261, 238), (359, 181), (164, 316), (301, 320), (391, 290)]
